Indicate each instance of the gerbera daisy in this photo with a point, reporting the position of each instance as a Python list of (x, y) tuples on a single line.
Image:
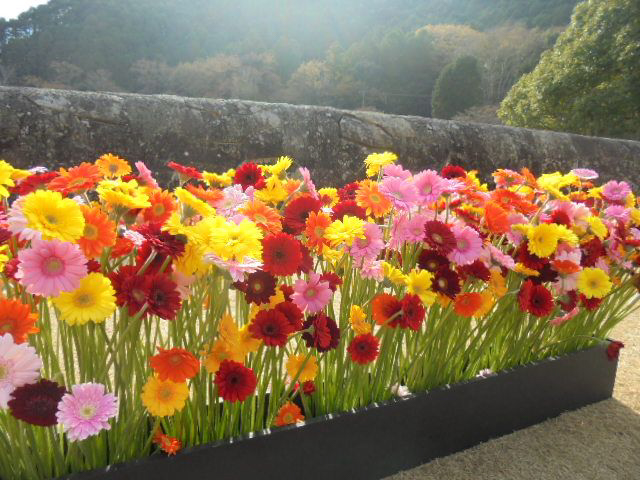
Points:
[(17, 319), (497, 218), (375, 161), (184, 172), (175, 364), (297, 211), (453, 171), (468, 245), (258, 287), (19, 365), (288, 414), (77, 179), (235, 241), (505, 178), (363, 349), (348, 207), (395, 171), (477, 269), (386, 308), (304, 368), (528, 259), (235, 382), (348, 192), (163, 204), (412, 313), (120, 195), (37, 403), (48, 268), (169, 445), (419, 283), (594, 283), (431, 260), (322, 332), (220, 351), (113, 166), (467, 304), (446, 282), (429, 186), (616, 192), (292, 312), (402, 193), (543, 240), (313, 295), (308, 388), (369, 197), (145, 175), (439, 236), (281, 254), (99, 232), (345, 231), (272, 327), (267, 218), (53, 216), (316, 224), (358, 320), (131, 289), (249, 175), (33, 182), (94, 300), (192, 205), (86, 411), (163, 297), (164, 397)]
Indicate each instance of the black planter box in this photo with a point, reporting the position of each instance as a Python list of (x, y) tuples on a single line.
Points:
[(383, 439)]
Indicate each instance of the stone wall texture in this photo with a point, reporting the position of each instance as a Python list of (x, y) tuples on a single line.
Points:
[(60, 128)]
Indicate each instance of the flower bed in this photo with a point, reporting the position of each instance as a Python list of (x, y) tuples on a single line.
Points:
[(137, 319)]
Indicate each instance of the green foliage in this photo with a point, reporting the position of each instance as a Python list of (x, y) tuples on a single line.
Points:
[(590, 81), (457, 88)]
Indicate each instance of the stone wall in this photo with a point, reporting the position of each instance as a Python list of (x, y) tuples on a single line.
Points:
[(58, 127)]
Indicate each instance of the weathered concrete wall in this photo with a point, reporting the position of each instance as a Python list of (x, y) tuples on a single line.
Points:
[(58, 127)]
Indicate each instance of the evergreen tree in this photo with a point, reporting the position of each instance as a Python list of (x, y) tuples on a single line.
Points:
[(458, 88)]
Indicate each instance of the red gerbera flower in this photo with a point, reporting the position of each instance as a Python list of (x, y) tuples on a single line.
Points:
[(560, 217), (349, 191), (308, 387), (93, 266), (249, 175), (297, 211), (591, 251), (293, 313), (524, 295), (184, 171), (162, 242), (412, 313), (11, 268), (287, 291), (258, 287), (131, 289), (431, 260), (322, 332), (569, 302), (37, 403), (540, 300), (169, 445), (281, 254), (446, 282), (33, 183), (590, 304), (334, 280), (613, 350), (348, 207), (5, 235), (123, 246), (235, 382), (453, 171), (163, 296), (439, 236), (306, 263), (272, 327), (364, 348), (477, 269), (385, 308), (144, 252), (529, 259)]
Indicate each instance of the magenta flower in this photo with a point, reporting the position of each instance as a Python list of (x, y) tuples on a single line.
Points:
[(565, 318), (145, 175), (618, 212), (468, 245), (236, 269), (407, 229), (430, 186), (393, 170), (585, 173), (372, 269), (402, 193), (86, 410), (616, 192), (19, 365), (311, 296), (370, 246), (501, 258), (308, 183), (51, 267)]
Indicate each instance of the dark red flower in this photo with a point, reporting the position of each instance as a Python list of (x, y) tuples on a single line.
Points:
[(524, 295), (184, 171), (308, 387), (272, 327), (431, 260), (477, 269), (439, 236), (364, 348), (568, 301), (235, 382), (37, 403), (131, 289), (446, 282), (535, 299), (164, 243), (323, 333), (412, 313), (287, 291), (249, 175), (11, 268), (281, 254), (258, 287), (293, 313), (348, 192), (348, 207), (529, 259), (306, 263), (93, 266), (560, 217), (334, 280), (590, 304), (5, 235), (163, 296), (144, 252), (296, 213), (591, 251), (33, 183), (453, 171), (613, 350)]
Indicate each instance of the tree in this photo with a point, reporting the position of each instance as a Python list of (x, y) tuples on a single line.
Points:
[(458, 88), (590, 81)]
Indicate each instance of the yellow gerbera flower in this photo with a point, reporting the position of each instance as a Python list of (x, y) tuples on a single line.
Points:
[(345, 231), (332, 255), (164, 398), (4, 249), (394, 274), (221, 351), (520, 268), (358, 320), (113, 166), (192, 205), (419, 283), (307, 372), (543, 239), (597, 227), (94, 300), (497, 284), (6, 178), (233, 241), (330, 192), (487, 304), (53, 216), (594, 282), (376, 161), (217, 179), (125, 195), (273, 192), (281, 166), (248, 343)]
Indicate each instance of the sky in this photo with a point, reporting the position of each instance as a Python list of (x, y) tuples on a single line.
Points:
[(12, 8)]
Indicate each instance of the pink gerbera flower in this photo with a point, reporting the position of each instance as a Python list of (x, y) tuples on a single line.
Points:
[(18, 222), (501, 258), (236, 269), (233, 199), (618, 212), (145, 175), (311, 296), (430, 186), (19, 365), (407, 229), (372, 269), (308, 183), (402, 193), (565, 318), (616, 192), (585, 173), (393, 170), (370, 246), (468, 245), (51, 267), (86, 410)]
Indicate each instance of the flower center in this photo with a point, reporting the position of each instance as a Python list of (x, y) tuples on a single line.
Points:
[(87, 411), (51, 218), (4, 372), (258, 218), (165, 393), (53, 266), (175, 360), (442, 283), (375, 198), (427, 190), (158, 209), (436, 237), (113, 168), (363, 242), (90, 231), (462, 244), (288, 417), (83, 300), (311, 292)]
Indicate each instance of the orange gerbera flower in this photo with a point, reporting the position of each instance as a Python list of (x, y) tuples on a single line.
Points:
[(123, 246), (267, 218), (368, 196), (467, 304), (210, 195), (385, 308), (113, 166), (77, 179), (315, 226), (291, 185), (565, 266), (288, 414), (163, 204), (17, 319), (529, 177), (99, 232), (176, 364), (512, 201), (496, 218), (507, 178)]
